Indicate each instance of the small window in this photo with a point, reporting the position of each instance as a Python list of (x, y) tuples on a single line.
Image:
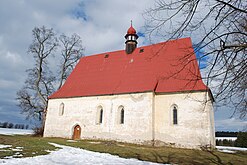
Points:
[(141, 50), (61, 109), (107, 55), (175, 115), (99, 115), (122, 116)]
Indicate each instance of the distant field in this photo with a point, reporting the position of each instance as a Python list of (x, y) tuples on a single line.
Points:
[(226, 138), (33, 146), (7, 131)]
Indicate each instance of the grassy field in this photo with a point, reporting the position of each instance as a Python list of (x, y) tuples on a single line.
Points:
[(33, 146)]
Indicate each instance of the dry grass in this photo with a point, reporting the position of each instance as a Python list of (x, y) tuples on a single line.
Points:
[(154, 154)]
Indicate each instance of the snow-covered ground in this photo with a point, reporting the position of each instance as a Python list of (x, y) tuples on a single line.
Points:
[(226, 138), (230, 149), (65, 155), (7, 131), (70, 155)]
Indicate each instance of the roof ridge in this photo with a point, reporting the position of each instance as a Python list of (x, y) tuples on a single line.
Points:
[(140, 47)]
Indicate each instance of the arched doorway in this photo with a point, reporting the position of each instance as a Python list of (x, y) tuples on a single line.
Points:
[(77, 132)]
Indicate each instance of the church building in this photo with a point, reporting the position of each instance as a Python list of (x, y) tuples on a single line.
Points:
[(150, 95)]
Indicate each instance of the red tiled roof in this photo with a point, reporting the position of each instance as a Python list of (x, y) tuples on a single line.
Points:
[(165, 67)]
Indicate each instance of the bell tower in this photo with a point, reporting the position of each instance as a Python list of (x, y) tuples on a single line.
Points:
[(131, 40)]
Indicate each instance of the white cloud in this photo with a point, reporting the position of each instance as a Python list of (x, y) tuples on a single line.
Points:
[(230, 124), (101, 25)]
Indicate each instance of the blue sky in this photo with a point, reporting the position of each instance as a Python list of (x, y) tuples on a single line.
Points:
[(101, 25)]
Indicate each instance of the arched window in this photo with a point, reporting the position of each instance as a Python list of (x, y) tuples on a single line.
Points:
[(99, 119), (175, 115), (122, 116), (61, 109), (101, 116)]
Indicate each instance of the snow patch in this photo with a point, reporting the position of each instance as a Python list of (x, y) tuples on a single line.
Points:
[(227, 151), (94, 142), (230, 149), (48, 151), (19, 147), (5, 146), (70, 155), (16, 149), (7, 157), (226, 138), (71, 140)]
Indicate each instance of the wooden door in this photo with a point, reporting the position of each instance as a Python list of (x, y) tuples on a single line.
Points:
[(77, 132)]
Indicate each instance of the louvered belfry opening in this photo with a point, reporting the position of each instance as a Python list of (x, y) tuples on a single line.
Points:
[(131, 40)]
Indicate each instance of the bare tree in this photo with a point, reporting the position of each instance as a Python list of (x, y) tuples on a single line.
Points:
[(72, 51), (219, 30), (33, 97), (41, 81)]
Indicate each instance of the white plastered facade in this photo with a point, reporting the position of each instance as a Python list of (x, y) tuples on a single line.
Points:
[(148, 118)]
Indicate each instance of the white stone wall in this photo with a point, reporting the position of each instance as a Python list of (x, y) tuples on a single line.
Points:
[(137, 125), (147, 117), (195, 126)]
